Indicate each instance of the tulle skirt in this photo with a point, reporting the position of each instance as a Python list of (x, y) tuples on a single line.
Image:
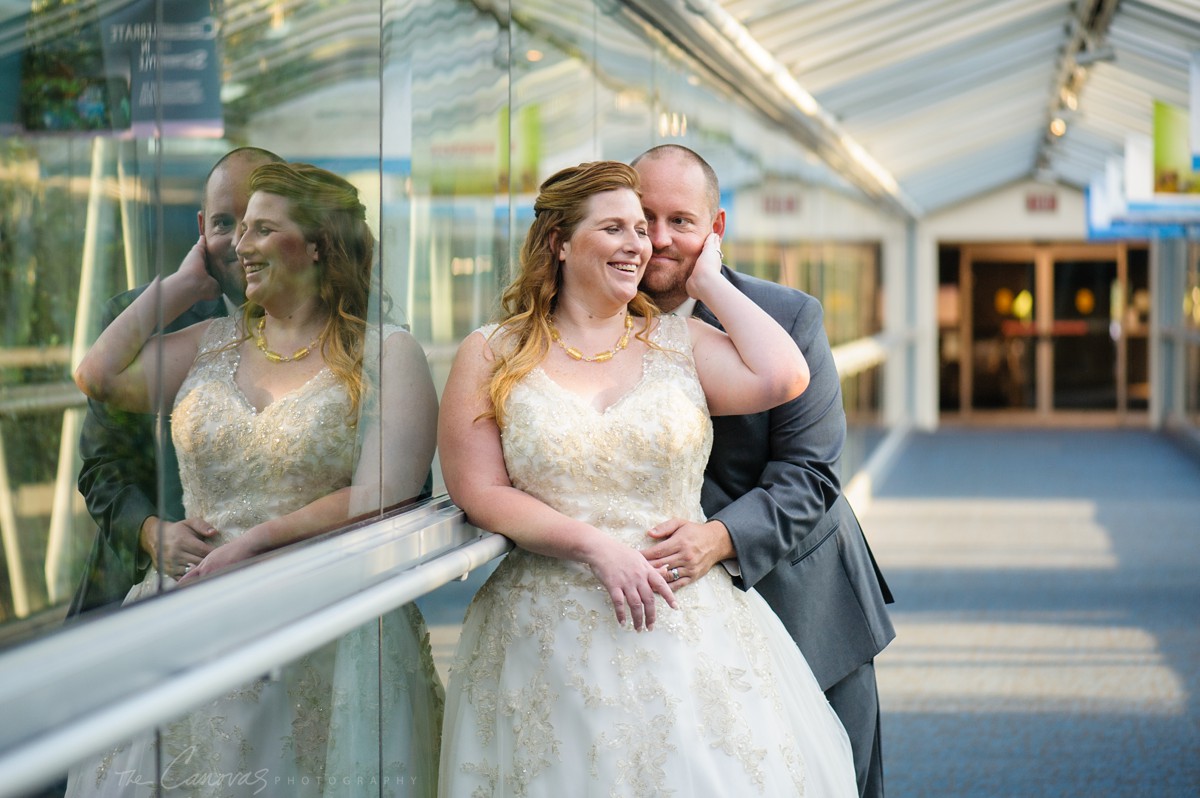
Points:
[(548, 696)]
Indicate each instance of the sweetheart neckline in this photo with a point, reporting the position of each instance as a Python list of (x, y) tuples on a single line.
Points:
[(236, 361), (582, 400)]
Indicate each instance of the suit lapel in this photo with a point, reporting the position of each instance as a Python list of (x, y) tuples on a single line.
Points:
[(705, 315)]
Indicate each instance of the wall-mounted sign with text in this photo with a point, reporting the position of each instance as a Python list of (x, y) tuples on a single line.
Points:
[(147, 68), (169, 66), (1041, 201)]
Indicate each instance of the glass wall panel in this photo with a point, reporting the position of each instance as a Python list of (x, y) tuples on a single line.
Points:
[(384, 700), (40, 410), (1135, 326), (115, 170), (554, 92), (445, 116), (360, 716), (445, 213), (865, 430), (1191, 292), (1003, 304), (950, 334), (1082, 333), (843, 276), (1192, 384), (102, 176), (100, 185), (625, 102), (1191, 344)]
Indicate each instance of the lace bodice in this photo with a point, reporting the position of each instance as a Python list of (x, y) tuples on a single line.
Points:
[(240, 467), (627, 468)]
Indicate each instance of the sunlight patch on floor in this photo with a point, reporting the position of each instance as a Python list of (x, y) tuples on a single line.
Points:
[(991, 535), (961, 666)]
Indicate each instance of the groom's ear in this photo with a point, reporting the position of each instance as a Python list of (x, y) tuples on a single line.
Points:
[(719, 222)]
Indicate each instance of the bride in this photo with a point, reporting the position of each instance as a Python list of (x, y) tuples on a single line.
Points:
[(573, 427), (277, 423)]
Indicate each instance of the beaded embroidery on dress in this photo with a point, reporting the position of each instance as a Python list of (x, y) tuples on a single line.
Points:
[(548, 696), (314, 729)]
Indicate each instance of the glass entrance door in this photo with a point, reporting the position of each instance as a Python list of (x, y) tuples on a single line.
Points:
[(1083, 334), (1001, 370), (1049, 330)]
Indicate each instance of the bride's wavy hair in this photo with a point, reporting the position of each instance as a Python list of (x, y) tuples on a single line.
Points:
[(327, 209), (528, 302)]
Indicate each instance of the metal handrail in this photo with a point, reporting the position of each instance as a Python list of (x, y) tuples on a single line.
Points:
[(41, 398), (71, 694), (862, 354)]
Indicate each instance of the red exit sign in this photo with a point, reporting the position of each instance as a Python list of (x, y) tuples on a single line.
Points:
[(776, 204), (1041, 202)]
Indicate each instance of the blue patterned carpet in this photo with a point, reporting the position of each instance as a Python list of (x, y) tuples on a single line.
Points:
[(1048, 614)]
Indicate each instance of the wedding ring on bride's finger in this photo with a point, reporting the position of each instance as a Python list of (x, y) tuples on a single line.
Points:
[(674, 574), (187, 567)]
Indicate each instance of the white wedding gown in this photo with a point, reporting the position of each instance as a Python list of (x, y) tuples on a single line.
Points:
[(548, 696), (315, 728)]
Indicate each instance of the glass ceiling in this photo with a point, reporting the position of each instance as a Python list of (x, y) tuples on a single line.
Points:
[(955, 98)]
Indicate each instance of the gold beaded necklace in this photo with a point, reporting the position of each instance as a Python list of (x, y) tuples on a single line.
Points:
[(260, 340), (575, 354)]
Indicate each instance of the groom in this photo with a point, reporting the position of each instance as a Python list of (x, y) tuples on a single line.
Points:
[(778, 520)]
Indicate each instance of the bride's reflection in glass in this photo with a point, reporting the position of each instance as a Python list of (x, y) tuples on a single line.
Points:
[(141, 524), (288, 420)]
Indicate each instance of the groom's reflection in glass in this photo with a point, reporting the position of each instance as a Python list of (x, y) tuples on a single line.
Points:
[(120, 453)]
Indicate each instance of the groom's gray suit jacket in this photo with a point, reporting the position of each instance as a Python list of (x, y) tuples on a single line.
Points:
[(773, 481)]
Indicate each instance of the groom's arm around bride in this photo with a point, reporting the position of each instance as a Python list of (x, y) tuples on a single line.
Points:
[(772, 492)]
